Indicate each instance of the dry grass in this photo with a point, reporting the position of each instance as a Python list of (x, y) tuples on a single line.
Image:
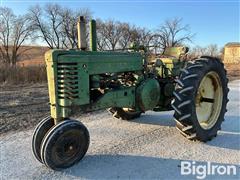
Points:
[(30, 67), (22, 75), (37, 74), (34, 56)]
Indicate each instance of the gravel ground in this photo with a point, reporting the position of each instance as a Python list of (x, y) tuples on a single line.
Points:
[(149, 147)]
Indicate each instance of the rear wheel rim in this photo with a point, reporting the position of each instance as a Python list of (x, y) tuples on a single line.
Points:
[(208, 101)]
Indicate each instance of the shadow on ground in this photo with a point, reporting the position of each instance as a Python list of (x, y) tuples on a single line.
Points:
[(137, 167), (156, 118), (228, 137)]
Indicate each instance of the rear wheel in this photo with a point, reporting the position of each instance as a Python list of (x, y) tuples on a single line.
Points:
[(201, 99), (124, 113)]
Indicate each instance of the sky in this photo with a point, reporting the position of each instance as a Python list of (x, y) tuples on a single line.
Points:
[(213, 21)]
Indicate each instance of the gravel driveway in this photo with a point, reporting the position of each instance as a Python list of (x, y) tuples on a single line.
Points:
[(149, 147)]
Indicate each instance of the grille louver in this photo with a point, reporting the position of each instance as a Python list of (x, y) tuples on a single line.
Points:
[(67, 76)]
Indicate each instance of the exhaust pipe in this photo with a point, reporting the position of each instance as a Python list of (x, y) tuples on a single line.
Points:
[(82, 37)]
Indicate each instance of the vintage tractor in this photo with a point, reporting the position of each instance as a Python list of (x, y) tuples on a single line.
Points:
[(127, 84)]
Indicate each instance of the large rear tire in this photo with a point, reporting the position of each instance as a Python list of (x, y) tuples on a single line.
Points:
[(201, 99)]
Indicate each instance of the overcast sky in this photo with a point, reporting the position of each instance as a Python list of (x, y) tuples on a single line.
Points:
[(213, 21)]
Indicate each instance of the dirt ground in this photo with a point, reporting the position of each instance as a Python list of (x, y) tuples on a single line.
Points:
[(21, 107)]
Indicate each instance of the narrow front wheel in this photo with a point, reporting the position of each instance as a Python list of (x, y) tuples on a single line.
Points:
[(65, 144), (40, 131)]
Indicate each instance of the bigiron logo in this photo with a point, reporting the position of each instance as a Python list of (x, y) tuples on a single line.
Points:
[(201, 171)]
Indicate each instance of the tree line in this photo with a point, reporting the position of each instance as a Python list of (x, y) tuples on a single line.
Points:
[(55, 26)]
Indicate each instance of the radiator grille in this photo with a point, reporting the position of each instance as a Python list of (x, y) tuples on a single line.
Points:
[(67, 77)]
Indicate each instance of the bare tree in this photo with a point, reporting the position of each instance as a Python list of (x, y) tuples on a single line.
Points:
[(53, 12), (142, 36), (109, 34), (126, 35), (115, 35), (6, 19), (69, 28), (56, 25), (112, 34), (69, 25), (14, 31), (210, 50), (172, 33), (197, 52), (47, 23)]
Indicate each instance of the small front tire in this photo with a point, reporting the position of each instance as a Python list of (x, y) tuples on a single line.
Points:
[(40, 131), (65, 144)]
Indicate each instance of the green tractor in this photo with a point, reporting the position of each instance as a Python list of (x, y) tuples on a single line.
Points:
[(127, 84)]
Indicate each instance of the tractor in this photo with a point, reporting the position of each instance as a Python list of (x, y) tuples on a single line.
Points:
[(127, 84)]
